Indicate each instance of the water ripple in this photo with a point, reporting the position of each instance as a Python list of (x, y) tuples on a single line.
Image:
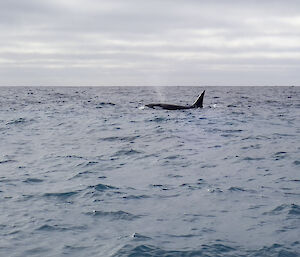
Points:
[(201, 182), (17, 121), (33, 180), (61, 196), (150, 250), (103, 187), (114, 215), (291, 209)]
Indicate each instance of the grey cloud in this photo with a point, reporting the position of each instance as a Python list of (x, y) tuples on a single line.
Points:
[(115, 37), (25, 13)]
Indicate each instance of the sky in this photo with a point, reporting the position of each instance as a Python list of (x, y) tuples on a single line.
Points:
[(149, 42)]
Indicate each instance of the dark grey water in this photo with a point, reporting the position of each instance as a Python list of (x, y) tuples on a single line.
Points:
[(90, 172)]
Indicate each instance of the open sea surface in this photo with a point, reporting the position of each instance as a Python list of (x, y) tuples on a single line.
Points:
[(91, 171)]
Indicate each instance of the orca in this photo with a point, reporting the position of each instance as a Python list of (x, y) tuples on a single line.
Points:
[(197, 104)]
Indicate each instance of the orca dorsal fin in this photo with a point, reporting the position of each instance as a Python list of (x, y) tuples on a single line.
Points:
[(199, 102)]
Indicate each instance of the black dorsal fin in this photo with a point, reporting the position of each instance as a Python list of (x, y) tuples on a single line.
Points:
[(199, 101)]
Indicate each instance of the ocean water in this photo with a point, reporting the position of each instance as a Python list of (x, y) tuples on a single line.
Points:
[(91, 171)]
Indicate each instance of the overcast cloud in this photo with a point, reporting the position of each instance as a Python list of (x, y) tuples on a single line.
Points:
[(157, 42)]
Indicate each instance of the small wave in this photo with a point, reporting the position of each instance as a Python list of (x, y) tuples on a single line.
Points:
[(294, 209), (110, 139), (214, 130), (215, 146), (174, 176), (102, 187), (141, 250), (158, 119), (121, 138), (256, 146), (33, 180), (136, 197), (61, 196), (279, 155), (236, 189), (295, 180), (36, 251), (103, 104), (296, 162), (51, 228), (273, 250), (150, 250), (183, 236), (283, 135), (218, 248), (81, 174), (192, 186), (172, 157), (253, 158), (17, 121), (228, 135), (73, 157), (201, 181), (7, 161), (254, 138), (215, 190), (87, 164), (208, 166), (238, 113), (277, 210), (233, 131), (115, 215), (73, 249), (126, 153), (291, 209), (157, 185)]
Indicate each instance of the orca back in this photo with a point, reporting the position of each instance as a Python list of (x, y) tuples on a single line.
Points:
[(199, 102)]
